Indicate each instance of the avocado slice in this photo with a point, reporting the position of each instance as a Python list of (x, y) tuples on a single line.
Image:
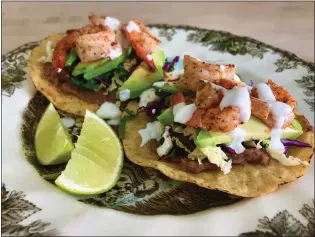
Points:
[(142, 78), (167, 87), (254, 128), (88, 66), (101, 66), (166, 117), (107, 66)]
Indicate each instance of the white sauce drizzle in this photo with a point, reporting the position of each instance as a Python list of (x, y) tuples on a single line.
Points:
[(124, 94), (183, 113), (108, 110), (152, 130), (149, 57), (237, 96), (167, 144), (160, 84), (112, 23), (113, 122), (238, 135), (265, 93), (132, 26), (236, 78), (115, 53), (147, 96), (177, 72), (279, 111), (68, 122)]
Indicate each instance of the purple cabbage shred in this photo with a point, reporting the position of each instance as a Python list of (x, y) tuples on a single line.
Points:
[(168, 65), (290, 142), (227, 149), (251, 83)]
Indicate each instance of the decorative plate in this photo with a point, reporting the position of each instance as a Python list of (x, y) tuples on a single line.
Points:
[(145, 202)]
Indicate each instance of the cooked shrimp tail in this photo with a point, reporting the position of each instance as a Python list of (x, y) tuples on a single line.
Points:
[(62, 48), (142, 41)]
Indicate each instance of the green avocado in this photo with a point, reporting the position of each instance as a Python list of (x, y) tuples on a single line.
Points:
[(255, 129), (167, 87), (88, 66), (142, 78), (99, 67), (166, 117)]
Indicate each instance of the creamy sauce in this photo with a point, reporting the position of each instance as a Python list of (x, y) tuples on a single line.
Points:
[(265, 93), (113, 122), (160, 84), (149, 57), (167, 144), (68, 122), (279, 112), (238, 135), (112, 23), (236, 78), (132, 26), (237, 96), (152, 130), (124, 94), (183, 113), (177, 72), (249, 88), (115, 53), (108, 110), (147, 96)]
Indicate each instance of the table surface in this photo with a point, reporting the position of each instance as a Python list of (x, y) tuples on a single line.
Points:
[(287, 25)]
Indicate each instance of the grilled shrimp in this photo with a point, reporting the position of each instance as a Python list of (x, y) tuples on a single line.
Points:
[(195, 70), (215, 120), (62, 48), (281, 95), (94, 46), (259, 108), (142, 41), (208, 115), (94, 41), (209, 97)]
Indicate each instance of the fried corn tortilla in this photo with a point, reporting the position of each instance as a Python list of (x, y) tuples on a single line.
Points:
[(66, 102), (245, 181)]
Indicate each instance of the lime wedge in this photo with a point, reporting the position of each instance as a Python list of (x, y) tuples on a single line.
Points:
[(52, 141), (96, 161)]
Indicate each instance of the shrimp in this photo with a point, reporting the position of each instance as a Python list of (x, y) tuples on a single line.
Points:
[(94, 41), (91, 47), (259, 108), (281, 95), (142, 41), (62, 48), (208, 114), (215, 120), (196, 70), (208, 97)]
